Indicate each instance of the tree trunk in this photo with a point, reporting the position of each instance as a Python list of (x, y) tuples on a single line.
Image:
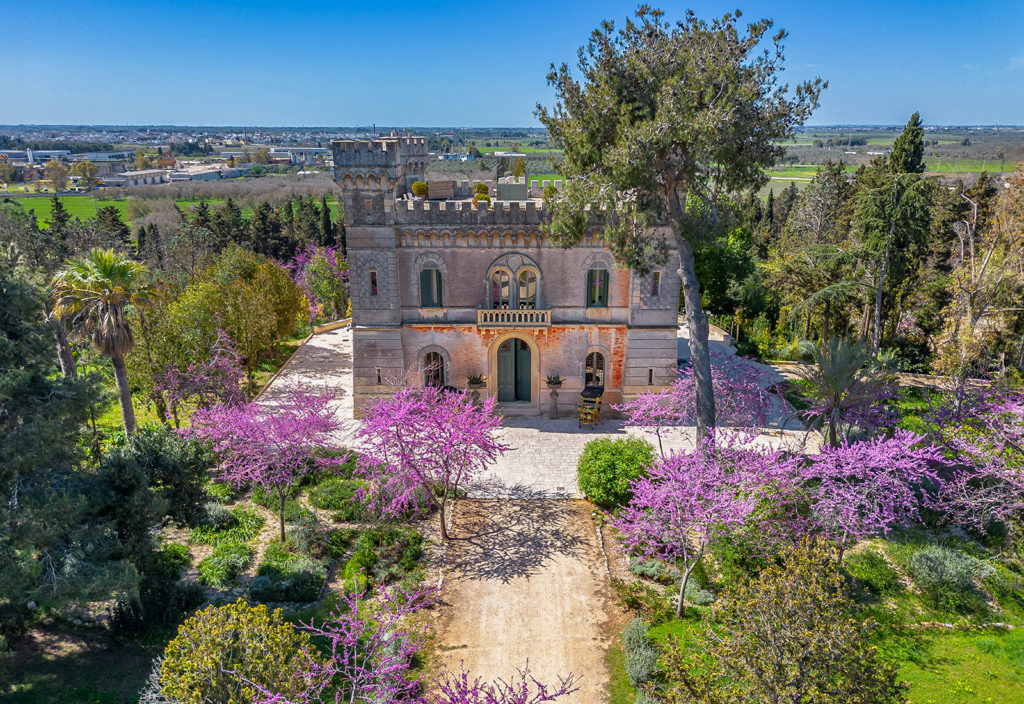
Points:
[(876, 334), (284, 499), (700, 353), (686, 580), (444, 520), (824, 326), (64, 354), (807, 325), (124, 392)]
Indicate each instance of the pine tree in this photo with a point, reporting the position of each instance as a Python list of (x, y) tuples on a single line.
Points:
[(326, 226), (907, 156), (201, 216), (59, 217), (109, 220)]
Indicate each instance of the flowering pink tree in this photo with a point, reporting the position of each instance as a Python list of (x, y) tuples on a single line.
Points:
[(426, 438), (690, 499), (868, 488), (980, 430), (523, 689), (272, 447), (216, 379), (743, 399)]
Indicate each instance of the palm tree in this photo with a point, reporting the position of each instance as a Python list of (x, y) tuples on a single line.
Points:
[(850, 386), (93, 292)]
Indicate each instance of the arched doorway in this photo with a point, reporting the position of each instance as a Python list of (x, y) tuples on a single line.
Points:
[(514, 365)]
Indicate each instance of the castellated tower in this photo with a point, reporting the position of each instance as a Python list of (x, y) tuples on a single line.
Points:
[(372, 174)]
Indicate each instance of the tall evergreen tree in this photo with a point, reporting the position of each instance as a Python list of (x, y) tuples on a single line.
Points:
[(109, 220), (201, 216), (59, 216), (326, 226), (907, 155)]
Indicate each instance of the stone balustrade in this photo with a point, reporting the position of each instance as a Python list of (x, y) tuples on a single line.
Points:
[(513, 318)]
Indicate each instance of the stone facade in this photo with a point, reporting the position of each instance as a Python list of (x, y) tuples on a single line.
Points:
[(442, 289)]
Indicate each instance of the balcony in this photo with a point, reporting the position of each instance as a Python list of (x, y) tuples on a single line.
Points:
[(512, 318)]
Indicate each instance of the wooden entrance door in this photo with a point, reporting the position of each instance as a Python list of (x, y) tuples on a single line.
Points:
[(514, 367)]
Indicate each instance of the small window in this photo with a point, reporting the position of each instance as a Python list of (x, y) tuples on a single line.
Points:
[(528, 290), (380, 380), (594, 370), (656, 283), (597, 288), (433, 369), (369, 205), (500, 290), (650, 377), (430, 288), (373, 283)]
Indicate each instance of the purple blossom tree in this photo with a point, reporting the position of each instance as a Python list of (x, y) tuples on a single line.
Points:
[(322, 273), (426, 438), (216, 379), (272, 447), (980, 430), (522, 689), (743, 399), (687, 500), (867, 488)]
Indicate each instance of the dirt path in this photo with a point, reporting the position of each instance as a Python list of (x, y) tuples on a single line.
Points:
[(525, 580)]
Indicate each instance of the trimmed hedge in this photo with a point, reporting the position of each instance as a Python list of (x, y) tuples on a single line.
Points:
[(607, 467)]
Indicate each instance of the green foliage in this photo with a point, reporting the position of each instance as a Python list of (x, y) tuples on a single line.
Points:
[(285, 575), (384, 555), (246, 529), (338, 495), (607, 467), (224, 654), (946, 577), (222, 492), (219, 517), (419, 188), (653, 605), (907, 154), (870, 569), (655, 570), (758, 648), (220, 567), (641, 656)]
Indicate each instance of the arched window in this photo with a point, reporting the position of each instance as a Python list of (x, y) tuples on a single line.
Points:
[(430, 288), (528, 289), (594, 370), (597, 288), (501, 286), (433, 369)]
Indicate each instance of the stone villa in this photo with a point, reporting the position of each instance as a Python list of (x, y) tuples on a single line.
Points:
[(442, 289)]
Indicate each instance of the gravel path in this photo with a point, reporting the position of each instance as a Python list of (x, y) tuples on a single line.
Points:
[(525, 580)]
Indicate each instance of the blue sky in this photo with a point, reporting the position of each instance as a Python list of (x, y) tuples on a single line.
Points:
[(467, 63)]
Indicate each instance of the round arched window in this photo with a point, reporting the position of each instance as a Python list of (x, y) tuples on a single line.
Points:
[(528, 289), (433, 369), (594, 370)]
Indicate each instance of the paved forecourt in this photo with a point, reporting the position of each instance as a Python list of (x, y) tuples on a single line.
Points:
[(544, 452)]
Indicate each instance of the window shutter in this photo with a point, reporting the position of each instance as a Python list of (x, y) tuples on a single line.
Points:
[(426, 300), (604, 287), (590, 288), (437, 288)]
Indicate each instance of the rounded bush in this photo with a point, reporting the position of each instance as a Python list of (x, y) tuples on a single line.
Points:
[(870, 569), (224, 564), (480, 189), (419, 188), (230, 653), (607, 467), (947, 576), (218, 517)]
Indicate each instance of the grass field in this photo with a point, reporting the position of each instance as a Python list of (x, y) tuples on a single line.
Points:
[(85, 206), (544, 177), (966, 166)]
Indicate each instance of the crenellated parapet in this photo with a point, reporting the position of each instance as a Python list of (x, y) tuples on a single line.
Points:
[(468, 214)]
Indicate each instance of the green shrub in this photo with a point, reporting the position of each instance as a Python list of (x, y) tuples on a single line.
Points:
[(339, 495), (310, 537), (285, 575), (338, 541), (480, 188), (870, 569), (419, 188), (655, 606), (222, 492), (264, 653), (739, 557), (655, 570), (607, 467), (248, 527), (174, 556), (218, 517), (384, 555), (641, 656), (224, 563), (946, 577)]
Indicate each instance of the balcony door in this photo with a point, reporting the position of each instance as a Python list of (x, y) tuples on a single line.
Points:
[(514, 366)]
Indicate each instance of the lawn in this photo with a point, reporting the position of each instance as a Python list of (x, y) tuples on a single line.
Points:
[(85, 206), (540, 178), (983, 666)]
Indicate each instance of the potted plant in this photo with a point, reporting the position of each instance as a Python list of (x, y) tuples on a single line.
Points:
[(419, 189), (554, 383), (475, 382)]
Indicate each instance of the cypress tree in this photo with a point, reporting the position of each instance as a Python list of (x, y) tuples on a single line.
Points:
[(59, 216), (907, 156), (326, 226)]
